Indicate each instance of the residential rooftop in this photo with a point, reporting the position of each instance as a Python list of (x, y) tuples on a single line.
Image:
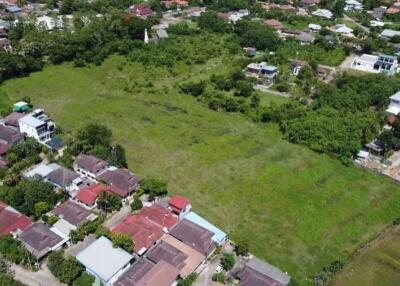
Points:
[(218, 237), (102, 259), (39, 239), (195, 236), (73, 213), (11, 220)]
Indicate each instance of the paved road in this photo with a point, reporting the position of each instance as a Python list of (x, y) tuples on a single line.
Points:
[(74, 249), (118, 217), (43, 277)]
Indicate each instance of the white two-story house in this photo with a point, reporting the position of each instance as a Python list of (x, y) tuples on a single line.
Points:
[(37, 125)]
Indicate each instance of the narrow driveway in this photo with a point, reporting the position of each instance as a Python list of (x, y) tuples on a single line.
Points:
[(365, 29), (266, 89), (118, 217), (43, 277), (346, 64), (205, 277)]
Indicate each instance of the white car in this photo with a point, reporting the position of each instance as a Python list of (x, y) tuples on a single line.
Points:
[(219, 269)]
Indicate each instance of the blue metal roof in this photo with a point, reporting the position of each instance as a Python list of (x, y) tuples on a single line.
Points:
[(219, 235)]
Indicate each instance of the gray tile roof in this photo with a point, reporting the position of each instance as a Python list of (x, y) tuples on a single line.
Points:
[(62, 177), (39, 239), (72, 213)]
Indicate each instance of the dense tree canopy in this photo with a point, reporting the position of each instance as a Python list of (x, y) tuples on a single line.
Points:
[(32, 197), (154, 187), (255, 34)]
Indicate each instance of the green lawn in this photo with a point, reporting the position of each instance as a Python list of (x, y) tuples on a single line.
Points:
[(299, 210), (378, 266)]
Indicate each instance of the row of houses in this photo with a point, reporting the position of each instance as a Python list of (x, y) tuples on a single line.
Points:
[(171, 242)]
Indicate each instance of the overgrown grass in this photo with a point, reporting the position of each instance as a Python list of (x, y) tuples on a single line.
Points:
[(378, 266), (297, 209)]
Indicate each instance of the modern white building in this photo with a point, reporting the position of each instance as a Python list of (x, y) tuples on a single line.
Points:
[(376, 64), (323, 13), (353, 5), (37, 125), (394, 106), (104, 261)]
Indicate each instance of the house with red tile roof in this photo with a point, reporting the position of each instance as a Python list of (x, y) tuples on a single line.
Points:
[(394, 8), (179, 205), (140, 10), (179, 3), (143, 232), (12, 221), (159, 216), (147, 227), (89, 194), (274, 24)]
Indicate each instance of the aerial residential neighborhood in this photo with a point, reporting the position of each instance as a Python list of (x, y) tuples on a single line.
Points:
[(200, 143)]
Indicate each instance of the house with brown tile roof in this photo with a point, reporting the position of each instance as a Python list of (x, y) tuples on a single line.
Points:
[(135, 273), (40, 240), (195, 236), (161, 274), (123, 179), (193, 258), (89, 166), (259, 273), (12, 119), (9, 135), (73, 213), (146, 273)]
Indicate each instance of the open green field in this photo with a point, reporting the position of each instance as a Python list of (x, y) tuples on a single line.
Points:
[(298, 210), (379, 265)]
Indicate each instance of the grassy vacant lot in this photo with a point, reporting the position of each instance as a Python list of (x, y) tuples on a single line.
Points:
[(379, 265), (298, 210)]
